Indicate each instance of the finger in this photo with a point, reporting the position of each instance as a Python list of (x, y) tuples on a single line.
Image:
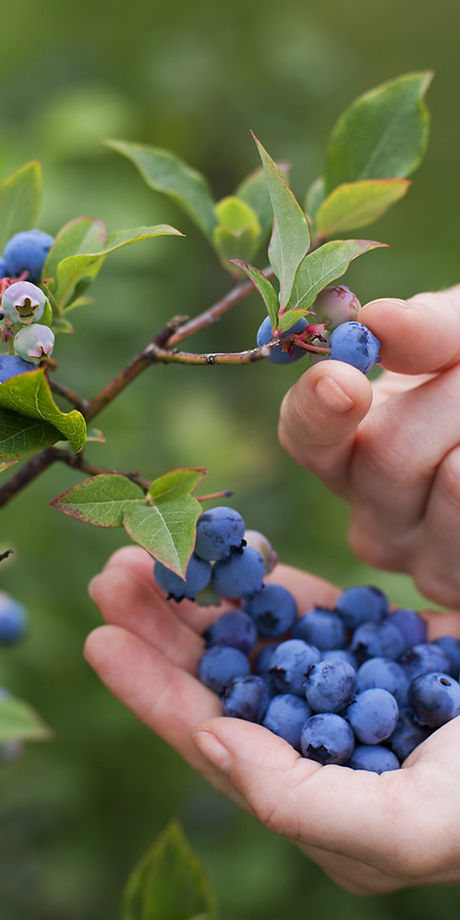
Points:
[(319, 417), (390, 384), (127, 601), (356, 814), (420, 335), (168, 700)]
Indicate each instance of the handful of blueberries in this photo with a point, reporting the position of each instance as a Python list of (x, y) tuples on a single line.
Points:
[(356, 685)]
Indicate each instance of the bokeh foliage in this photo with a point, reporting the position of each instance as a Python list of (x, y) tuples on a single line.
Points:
[(78, 812)]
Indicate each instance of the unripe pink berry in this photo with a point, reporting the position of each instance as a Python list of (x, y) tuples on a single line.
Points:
[(336, 305), (259, 541)]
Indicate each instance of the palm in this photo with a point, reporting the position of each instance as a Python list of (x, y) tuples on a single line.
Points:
[(369, 833)]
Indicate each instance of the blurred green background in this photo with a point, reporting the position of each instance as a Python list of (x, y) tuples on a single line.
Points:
[(77, 813)]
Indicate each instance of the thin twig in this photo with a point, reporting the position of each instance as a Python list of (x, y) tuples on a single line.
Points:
[(70, 395)]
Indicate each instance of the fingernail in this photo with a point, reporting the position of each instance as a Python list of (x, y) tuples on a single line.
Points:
[(331, 396), (213, 750), (91, 587)]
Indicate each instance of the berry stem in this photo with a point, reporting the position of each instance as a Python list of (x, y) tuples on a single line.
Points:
[(214, 495)]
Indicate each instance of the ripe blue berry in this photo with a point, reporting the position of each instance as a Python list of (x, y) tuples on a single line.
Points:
[(233, 628), (277, 355), (451, 647), (3, 268), (13, 620), (423, 658), (286, 715), (410, 624), (246, 698), (321, 627), (12, 365), (407, 735), (384, 673), (240, 575), (355, 344), (273, 610), (362, 604), (435, 698), (197, 577), (377, 640), (330, 685), (343, 653), (373, 715), (219, 665), (23, 302), (373, 757), (27, 251), (327, 738), (218, 531), (290, 664)]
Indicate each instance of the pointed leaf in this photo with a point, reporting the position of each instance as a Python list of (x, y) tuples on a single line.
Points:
[(84, 234), (356, 204), (289, 318), (324, 265), (19, 722), (265, 289), (20, 201), (21, 436), (291, 236), (167, 528), (254, 191), (169, 883), (29, 394), (238, 233), (165, 172), (75, 273), (100, 500), (382, 135)]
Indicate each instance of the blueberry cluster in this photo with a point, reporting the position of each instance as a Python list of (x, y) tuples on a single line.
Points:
[(356, 685)]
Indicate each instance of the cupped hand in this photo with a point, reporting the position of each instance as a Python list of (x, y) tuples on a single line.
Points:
[(392, 448), (369, 833)]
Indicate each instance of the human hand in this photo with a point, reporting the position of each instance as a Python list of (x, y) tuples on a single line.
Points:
[(392, 448), (369, 833)]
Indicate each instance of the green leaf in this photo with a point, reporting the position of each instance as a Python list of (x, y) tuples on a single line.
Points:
[(21, 436), (29, 394), (254, 191), (237, 235), (84, 234), (19, 722), (356, 204), (165, 172), (324, 265), (291, 236), (290, 317), (314, 197), (169, 883), (265, 289), (382, 135), (75, 273), (167, 528), (20, 201), (100, 500)]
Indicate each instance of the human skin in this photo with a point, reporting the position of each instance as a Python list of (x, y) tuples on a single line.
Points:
[(391, 448), (370, 833)]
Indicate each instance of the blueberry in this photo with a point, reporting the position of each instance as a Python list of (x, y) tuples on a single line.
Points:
[(262, 666), (355, 344), (3, 268), (330, 685), (373, 715), (435, 698), (336, 305), (423, 658), (246, 698), (343, 653), (23, 302), (240, 575), (373, 757), (258, 541), (290, 664), (277, 355), (273, 610), (451, 647), (34, 342), (377, 640), (233, 628), (218, 531), (12, 365), (219, 665), (13, 620), (387, 674), (27, 251), (197, 577), (321, 627), (407, 735), (286, 715), (362, 604), (327, 738), (410, 625)]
